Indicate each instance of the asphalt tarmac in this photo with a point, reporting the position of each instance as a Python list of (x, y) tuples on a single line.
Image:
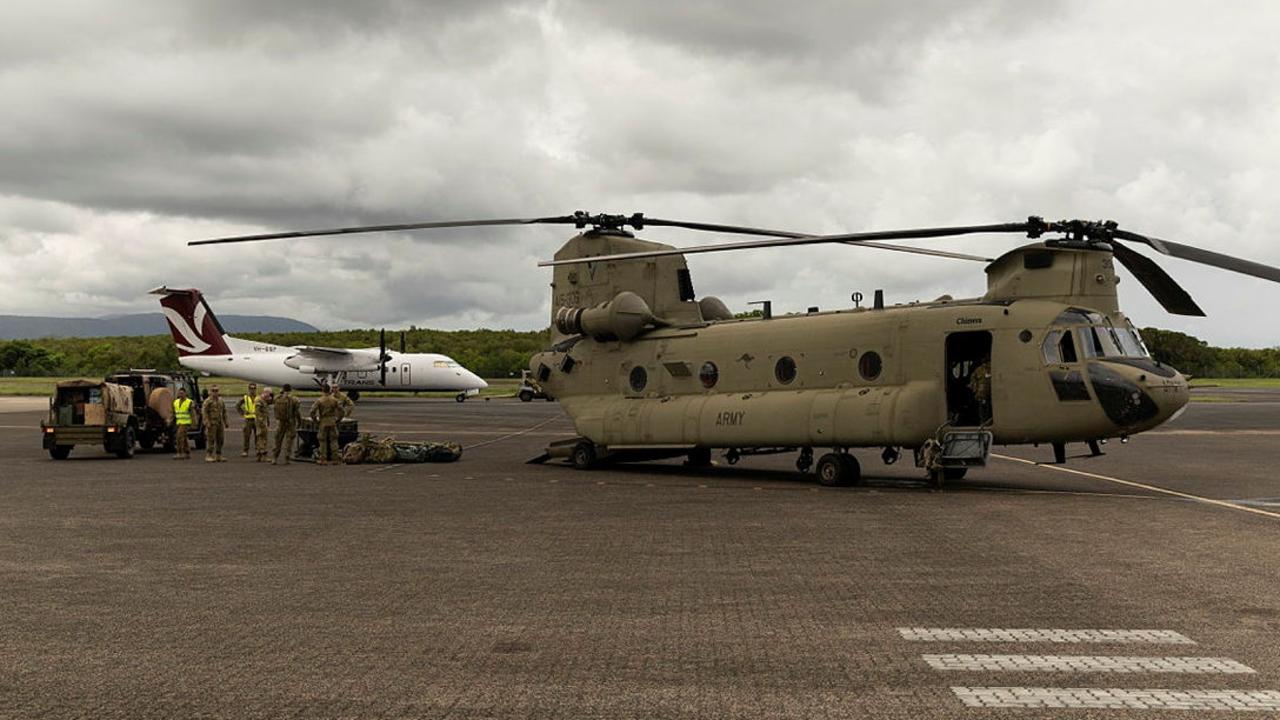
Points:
[(1129, 585)]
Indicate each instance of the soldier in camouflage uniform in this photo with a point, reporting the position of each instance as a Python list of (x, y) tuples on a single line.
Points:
[(288, 412), (327, 411), (215, 425), (980, 386), (348, 405), (262, 423)]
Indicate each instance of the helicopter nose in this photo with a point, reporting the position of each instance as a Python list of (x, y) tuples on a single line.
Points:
[(1138, 395)]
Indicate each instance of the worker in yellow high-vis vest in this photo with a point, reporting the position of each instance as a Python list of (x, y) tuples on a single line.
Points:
[(248, 409), (182, 421)]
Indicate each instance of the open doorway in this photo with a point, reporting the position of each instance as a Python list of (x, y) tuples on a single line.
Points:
[(969, 378)]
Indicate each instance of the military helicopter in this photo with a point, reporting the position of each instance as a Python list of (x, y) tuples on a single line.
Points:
[(647, 371)]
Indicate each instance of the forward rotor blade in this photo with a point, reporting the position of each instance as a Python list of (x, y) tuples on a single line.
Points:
[(559, 220), (787, 239), (1164, 288), (1204, 257)]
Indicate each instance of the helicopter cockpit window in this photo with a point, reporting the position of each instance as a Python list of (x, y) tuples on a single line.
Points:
[(1059, 348), (1072, 316)]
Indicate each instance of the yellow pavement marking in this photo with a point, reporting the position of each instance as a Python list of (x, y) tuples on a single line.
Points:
[(1144, 486)]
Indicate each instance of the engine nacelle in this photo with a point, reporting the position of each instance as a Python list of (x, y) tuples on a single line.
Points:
[(624, 318)]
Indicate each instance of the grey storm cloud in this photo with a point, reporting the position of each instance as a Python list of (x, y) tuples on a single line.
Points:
[(131, 128)]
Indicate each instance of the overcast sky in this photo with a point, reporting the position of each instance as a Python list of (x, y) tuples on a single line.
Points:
[(129, 128)]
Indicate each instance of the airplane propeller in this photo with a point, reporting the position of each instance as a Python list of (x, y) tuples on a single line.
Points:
[(382, 357), (1102, 235)]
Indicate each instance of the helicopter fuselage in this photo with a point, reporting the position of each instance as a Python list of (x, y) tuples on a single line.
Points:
[(1045, 357)]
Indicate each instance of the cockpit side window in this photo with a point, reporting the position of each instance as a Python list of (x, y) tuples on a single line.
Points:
[(1059, 348)]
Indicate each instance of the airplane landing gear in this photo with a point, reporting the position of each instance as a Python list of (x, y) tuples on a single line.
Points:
[(461, 397)]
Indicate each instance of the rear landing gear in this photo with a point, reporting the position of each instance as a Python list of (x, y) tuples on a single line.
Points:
[(583, 456)]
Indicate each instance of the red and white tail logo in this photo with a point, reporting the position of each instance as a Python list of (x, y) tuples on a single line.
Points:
[(195, 329)]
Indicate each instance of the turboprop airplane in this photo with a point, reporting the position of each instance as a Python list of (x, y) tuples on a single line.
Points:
[(205, 347)]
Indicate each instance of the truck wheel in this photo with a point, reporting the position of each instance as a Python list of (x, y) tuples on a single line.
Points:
[(60, 452), (125, 451), (583, 456), (526, 396), (147, 441)]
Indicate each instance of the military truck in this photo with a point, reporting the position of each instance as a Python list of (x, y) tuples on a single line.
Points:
[(153, 393), (90, 412)]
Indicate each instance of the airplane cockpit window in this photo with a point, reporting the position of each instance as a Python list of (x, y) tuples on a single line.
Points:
[(440, 364)]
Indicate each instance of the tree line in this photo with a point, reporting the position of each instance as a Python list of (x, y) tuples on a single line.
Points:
[(504, 353)]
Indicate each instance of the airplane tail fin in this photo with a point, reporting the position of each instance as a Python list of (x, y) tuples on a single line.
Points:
[(195, 329)]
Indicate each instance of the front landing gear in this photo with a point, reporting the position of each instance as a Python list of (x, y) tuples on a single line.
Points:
[(838, 469)]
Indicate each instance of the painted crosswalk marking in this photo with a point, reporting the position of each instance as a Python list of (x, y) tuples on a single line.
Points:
[(1043, 635), (1088, 663), (1119, 698)]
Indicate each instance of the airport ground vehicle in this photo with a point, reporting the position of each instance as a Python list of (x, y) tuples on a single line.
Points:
[(153, 392), (530, 388), (90, 412)]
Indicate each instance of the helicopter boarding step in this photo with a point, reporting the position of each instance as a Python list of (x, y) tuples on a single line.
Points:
[(964, 448)]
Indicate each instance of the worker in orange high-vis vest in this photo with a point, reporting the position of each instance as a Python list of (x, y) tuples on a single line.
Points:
[(248, 409), (182, 423)]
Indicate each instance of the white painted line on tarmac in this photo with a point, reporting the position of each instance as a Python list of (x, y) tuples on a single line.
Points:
[(1213, 432), (1144, 486), (1119, 698), (1089, 663), (1042, 635)]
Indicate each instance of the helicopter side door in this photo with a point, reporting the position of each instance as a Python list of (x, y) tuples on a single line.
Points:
[(968, 378)]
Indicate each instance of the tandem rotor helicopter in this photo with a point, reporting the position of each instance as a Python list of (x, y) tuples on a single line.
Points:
[(646, 370)]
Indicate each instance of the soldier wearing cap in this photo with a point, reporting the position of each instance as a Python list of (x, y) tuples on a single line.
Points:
[(214, 413)]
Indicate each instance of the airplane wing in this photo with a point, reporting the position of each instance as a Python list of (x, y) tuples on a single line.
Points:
[(311, 358)]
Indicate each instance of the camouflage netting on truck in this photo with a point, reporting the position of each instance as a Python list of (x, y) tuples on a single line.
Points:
[(370, 450)]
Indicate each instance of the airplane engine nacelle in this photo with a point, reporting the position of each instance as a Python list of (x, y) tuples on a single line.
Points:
[(624, 318), (308, 369)]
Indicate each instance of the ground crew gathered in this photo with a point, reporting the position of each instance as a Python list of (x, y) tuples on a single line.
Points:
[(247, 407), (327, 411), (215, 425), (288, 412), (182, 422), (262, 422)]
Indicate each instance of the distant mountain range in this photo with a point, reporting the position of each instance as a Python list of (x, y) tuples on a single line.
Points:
[(14, 327)]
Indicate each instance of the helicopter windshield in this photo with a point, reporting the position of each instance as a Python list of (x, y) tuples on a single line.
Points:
[(1094, 335)]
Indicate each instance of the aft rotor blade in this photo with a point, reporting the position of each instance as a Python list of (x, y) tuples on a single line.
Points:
[(1164, 288), (559, 220), (786, 239), (1204, 257)]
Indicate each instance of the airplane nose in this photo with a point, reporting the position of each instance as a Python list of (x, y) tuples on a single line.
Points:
[(478, 383)]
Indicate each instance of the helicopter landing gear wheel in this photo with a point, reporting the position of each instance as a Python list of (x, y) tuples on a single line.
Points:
[(732, 456), (838, 470), (805, 461), (583, 456)]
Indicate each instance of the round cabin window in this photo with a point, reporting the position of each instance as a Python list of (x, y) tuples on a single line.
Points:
[(639, 379), (785, 370), (709, 375), (870, 365)]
